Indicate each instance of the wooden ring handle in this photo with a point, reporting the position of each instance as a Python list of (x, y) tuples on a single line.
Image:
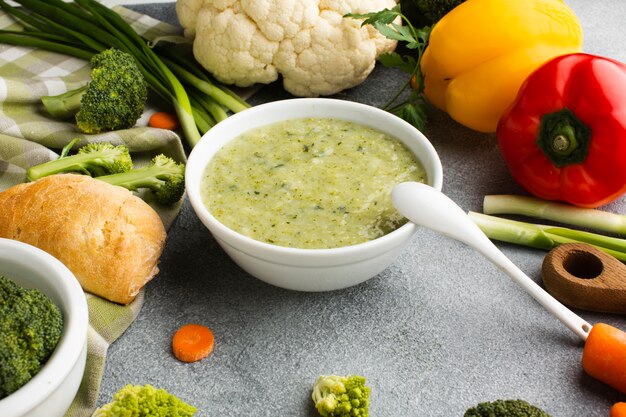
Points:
[(582, 276)]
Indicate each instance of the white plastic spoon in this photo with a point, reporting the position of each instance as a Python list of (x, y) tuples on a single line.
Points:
[(428, 207)]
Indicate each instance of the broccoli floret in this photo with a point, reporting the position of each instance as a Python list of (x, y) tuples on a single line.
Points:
[(505, 408), (145, 401), (93, 159), (113, 99), (164, 176), (341, 396), (30, 328), (434, 10)]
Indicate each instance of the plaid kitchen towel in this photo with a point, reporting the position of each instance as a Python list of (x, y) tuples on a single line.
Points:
[(29, 137)]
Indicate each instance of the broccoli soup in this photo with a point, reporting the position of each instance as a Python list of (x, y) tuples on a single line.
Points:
[(309, 183)]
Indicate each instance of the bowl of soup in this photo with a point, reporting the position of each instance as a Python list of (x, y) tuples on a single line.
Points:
[(298, 192)]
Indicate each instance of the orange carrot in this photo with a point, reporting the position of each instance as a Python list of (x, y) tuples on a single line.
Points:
[(164, 120), (604, 355), (618, 410), (192, 342)]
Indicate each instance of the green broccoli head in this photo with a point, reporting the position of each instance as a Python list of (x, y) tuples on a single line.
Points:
[(113, 99), (106, 158), (505, 408), (434, 10), (164, 176), (93, 159), (145, 401), (30, 328), (341, 396)]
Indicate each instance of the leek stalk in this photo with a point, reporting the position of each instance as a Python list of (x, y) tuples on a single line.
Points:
[(558, 212), (544, 236)]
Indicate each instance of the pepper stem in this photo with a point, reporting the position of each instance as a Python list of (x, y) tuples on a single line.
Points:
[(564, 138)]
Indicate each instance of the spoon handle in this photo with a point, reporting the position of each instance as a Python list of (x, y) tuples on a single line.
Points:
[(574, 322), (426, 206)]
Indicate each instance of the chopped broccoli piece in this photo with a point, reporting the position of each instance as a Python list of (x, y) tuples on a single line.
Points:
[(113, 99), (30, 328), (164, 176), (505, 408), (93, 159), (434, 10), (145, 401), (341, 396)]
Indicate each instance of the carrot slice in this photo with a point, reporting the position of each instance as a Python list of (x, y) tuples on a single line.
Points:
[(192, 342), (618, 410), (164, 120), (604, 355)]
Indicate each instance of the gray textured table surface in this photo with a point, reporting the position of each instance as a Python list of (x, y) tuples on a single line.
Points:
[(437, 332)]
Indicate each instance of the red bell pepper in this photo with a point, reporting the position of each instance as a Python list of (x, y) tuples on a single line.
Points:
[(564, 137)]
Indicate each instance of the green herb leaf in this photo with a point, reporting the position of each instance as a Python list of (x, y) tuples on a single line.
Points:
[(395, 32), (412, 109), (415, 114), (393, 59), (384, 16)]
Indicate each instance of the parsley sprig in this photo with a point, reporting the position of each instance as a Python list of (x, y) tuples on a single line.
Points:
[(409, 106)]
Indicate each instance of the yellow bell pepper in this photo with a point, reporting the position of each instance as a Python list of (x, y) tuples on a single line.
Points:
[(481, 52)]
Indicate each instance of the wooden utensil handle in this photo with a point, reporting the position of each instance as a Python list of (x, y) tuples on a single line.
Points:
[(582, 276)]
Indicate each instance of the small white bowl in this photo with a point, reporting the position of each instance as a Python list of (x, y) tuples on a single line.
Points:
[(308, 269), (51, 391)]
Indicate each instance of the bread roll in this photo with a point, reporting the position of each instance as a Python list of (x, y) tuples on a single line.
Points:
[(108, 237)]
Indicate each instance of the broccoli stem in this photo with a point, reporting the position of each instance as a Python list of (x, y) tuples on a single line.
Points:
[(145, 177), (76, 163), (65, 105), (164, 177)]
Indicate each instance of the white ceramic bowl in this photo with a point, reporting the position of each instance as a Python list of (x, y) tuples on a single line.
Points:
[(308, 269), (50, 392)]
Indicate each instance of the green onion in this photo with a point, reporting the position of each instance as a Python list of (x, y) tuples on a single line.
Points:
[(543, 236), (559, 212)]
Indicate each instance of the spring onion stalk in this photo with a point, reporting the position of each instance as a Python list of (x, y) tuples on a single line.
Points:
[(204, 121), (83, 28), (559, 212), (544, 236), (185, 63), (32, 42), (216, 111), (206, 87)]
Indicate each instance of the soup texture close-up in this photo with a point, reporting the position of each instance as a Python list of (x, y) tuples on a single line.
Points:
[(309, 183)]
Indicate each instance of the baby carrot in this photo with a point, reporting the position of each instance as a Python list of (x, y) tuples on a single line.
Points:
[(192, 342), (164, 120), (618, 410), (604, 355)]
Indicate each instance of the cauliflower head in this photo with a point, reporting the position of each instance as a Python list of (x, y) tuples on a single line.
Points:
[(308, 42)]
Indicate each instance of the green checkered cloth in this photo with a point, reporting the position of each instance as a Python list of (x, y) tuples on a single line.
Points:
[(28, 137)]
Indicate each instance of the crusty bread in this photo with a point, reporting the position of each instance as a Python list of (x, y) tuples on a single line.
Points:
[(108, 237)]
